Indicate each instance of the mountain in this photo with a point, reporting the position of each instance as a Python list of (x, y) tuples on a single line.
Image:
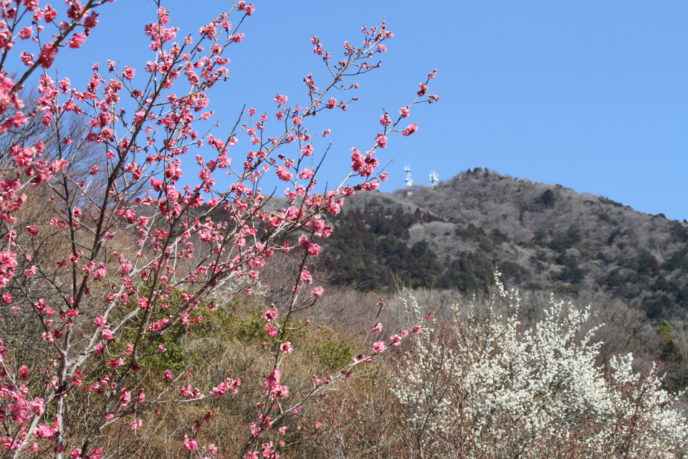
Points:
[(539, 236)]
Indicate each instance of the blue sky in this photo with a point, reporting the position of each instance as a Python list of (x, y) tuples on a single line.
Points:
[(592, 95)]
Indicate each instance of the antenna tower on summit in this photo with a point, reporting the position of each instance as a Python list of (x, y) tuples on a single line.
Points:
[(408, 179), (434, 178)]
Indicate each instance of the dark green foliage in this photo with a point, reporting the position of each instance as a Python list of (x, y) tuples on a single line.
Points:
[(535, 234), (603, 216), (677, 260), (224, 323), (473, 232), (672, 357), (513, 272), (470, 272), (571, 273), (498, 237), (646, 263), (334, 353), (669, 351), (679, 231), (657, 306), (539, 237), (616, 232), (370, 251), (547, 198), (423, 267), (561, 242), (604, 200)]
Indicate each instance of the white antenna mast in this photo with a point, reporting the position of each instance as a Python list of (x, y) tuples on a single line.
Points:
[(434, 178), (408, 179)]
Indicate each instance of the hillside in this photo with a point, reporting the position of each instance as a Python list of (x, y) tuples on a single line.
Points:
[(541, 237)]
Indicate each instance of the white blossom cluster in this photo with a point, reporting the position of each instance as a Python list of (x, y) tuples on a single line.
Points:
[(483, 385)]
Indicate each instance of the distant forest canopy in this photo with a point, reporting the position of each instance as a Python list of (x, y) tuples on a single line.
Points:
[(540, 237)]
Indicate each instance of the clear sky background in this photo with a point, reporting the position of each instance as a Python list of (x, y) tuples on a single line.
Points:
[(592, 95)]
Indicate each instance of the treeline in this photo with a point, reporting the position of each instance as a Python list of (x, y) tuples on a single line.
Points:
[(541, 238), (371, 250)]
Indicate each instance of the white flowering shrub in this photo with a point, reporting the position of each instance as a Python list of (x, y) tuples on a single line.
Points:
[(481, 384)]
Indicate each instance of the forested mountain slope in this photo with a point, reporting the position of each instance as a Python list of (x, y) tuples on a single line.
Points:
[(542, 237)]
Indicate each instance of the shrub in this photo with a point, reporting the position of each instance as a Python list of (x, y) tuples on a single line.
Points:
[(482, 385)]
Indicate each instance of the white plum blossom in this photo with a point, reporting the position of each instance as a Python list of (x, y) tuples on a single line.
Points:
[(480, 384)]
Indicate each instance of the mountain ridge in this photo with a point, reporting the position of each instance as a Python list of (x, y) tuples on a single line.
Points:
[(542, 237)]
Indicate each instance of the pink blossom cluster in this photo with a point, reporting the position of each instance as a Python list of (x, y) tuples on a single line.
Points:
[(139, 240)]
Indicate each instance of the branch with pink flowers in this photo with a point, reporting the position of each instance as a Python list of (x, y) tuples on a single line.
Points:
[(112, 244)]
